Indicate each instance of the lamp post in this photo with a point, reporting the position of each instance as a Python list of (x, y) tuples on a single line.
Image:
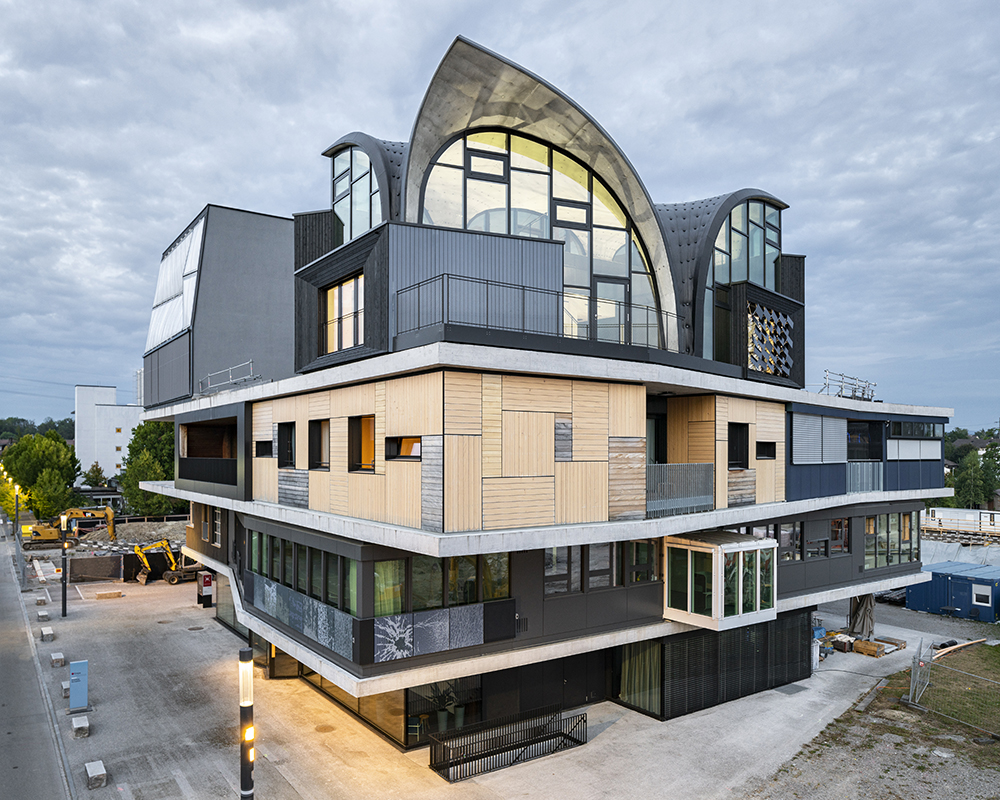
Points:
[(17, 534), (246, 723), (63, 519)]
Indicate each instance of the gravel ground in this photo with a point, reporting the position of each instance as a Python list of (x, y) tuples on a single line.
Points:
[(140, 533), (889, 751)]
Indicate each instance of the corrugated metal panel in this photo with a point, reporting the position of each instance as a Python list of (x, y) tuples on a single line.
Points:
[(807, 439), (834, 440)]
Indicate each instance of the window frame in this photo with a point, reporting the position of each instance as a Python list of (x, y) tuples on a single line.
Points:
[(286, 445), (355, 444), (738, 439), (319, 444), (394, 444)]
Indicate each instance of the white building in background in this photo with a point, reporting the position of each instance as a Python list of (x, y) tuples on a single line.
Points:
[(103, 428)]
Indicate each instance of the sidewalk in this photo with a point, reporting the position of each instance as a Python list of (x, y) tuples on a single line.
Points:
[(163, 684)]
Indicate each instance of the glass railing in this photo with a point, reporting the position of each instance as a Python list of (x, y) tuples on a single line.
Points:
[(478, 303)]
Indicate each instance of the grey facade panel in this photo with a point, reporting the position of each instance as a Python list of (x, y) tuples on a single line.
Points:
[(834, 440), (167, 372), (432, 483), (807, 439), (293, 488)]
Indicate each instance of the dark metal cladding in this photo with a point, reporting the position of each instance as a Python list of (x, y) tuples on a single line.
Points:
[(388, 159)]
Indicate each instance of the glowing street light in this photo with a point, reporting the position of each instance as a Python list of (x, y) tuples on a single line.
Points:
[(63, 519), (247, 731)]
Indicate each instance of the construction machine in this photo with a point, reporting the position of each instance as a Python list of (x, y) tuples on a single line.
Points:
[(79, 523), (175, 573)]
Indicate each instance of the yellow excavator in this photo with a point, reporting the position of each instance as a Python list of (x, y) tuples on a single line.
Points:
[(175, 572), (80, 522)]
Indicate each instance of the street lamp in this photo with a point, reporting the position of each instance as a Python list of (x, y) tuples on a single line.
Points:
[(246, 723), (18, 541), (63, 518)]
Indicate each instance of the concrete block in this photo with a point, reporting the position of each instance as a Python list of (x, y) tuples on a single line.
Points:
[(81, 727), (43, 616), (65, 688), (97, 776), (41, 601), (108, 595), (48, 635), (58, 660)]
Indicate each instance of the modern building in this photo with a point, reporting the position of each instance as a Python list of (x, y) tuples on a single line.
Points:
[(103, 428), (534, 438)]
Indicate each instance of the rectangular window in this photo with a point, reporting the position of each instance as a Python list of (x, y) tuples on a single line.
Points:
[(677, 578), (870, 541), (643, 562), (496, 576), (342, 315), (731, 581), (316, 573), (840, 540), (982, 595), (562, 570), (350, 588), (463, 588), (255, 551), (204, 530), (118, 448), (427, 582), (319, 444), (286, 445), (402, 448), (882, 540), (302, 568), (217, 527), (739, 445), (766, 451), (766, 579), (274, 548), (361, 444), (600, 566), (749, 581), (390, 587), (332, 591), (701, 583), (264, 449), (288, 560)]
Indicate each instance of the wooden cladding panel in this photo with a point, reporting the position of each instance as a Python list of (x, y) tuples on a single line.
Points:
[(518, 502), (522, 393), (529, 446), (283, 409), (765, 471), (626, 478), (302, 432), (353, 401), (770, 422), (741, 485), (338, 465), (366, 496), (380, 426), (413, 405), (403, 493), (779, 473), (742, 410), (431, 483), (262, 422), (701, 443), (319, 490), (590, 421), (721, 419), (492, 412), (319, 405), (581, 492), (722, 474), (265, 479), (463, 403), (463, 484), (626, 410)]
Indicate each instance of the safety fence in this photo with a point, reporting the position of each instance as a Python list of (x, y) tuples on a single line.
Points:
[(954, 694)]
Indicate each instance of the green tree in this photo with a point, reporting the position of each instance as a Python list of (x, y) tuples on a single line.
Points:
[(7, 498), (50, 495), (991, 472), (36, 453), (969, 488), (94, 476), (158, 439), (143, 467)]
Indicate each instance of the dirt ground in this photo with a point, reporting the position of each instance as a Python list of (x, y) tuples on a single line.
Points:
[(139, 533), (887, 752)]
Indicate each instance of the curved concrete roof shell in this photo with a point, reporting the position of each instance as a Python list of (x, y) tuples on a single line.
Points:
[(474, 88), (691, 229), (387, 160)]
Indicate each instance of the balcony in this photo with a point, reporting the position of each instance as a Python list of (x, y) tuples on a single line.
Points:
[(479, 303), (679, 489), (208, 470)]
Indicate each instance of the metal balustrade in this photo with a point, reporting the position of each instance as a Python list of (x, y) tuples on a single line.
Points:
[(864, 476), (679, 489)]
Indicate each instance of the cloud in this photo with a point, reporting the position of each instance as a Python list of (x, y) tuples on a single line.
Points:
[(877, 123)]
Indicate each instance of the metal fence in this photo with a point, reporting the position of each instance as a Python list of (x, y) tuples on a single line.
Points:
[(495, 744), (679, 489), (864, 476), (956, 695), (479, 303)]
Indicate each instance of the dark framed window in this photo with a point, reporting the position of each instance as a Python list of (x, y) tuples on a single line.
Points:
[(288, 563), (286, 445), (864, 441), (254, 559), (316, 573), (463, 583), (264, 449), (739, 445), (840, 537), (342, 315), (361, 444), (562, 570), (319, 444), (790, 541), (642, 559), (217, 527), (357, 205), (766, 451), (427, 582), (601, 570), (402, 448)]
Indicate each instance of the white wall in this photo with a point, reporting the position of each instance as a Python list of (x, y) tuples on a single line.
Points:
[(103, 428)]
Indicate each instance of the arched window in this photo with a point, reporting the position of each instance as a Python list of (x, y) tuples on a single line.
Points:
[(357, 204), (747, 248), (501, 182)]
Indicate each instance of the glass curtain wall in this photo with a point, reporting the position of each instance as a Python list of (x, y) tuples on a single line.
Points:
[(357, 204), (499, 182), (641, 676)]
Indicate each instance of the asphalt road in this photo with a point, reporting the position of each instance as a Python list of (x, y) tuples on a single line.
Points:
[(30, 766)]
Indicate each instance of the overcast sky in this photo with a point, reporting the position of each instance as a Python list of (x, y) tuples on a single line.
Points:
[(877, 123)]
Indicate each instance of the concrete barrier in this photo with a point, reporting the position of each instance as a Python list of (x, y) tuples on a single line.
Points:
[(109, 595), (97, 776), (81, 727), (58, 660), (48, 634), (41, 601), (43, 616), (65, 689)]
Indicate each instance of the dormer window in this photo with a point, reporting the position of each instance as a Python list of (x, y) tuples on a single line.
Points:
[(357, 203)]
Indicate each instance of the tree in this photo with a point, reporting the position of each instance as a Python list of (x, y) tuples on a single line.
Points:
[(143, 467), (94, 476), (158, 439), (991, 472), (969, 488), (36, 453), (50, 495)]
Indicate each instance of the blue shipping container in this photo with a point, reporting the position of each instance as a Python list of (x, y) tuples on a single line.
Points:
[(958, 589)]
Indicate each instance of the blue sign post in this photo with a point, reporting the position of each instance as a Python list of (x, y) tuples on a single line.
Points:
[(78, 686)]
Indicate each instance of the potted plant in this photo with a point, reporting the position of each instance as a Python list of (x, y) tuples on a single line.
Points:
[(443, 697)]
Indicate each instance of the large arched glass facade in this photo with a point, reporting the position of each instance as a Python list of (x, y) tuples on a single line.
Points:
[(747, 248), (357, 203), (498, 181)]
